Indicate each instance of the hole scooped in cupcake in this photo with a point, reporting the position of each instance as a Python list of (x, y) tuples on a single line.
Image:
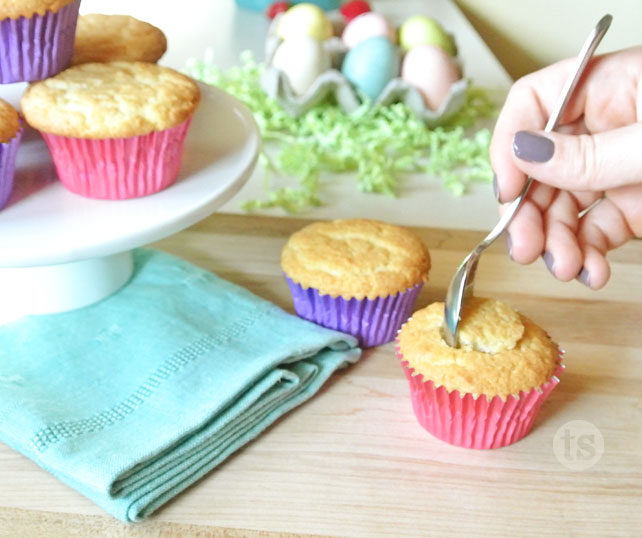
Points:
[(489, 326)]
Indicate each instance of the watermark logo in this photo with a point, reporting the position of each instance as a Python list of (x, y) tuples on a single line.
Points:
[(578, 445)]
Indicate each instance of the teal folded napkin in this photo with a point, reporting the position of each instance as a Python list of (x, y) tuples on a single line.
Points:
[(131, 400)]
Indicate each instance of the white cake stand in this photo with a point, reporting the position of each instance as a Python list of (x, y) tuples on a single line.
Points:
[(60, 251)]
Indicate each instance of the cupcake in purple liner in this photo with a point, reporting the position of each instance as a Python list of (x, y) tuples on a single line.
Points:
[(36, 38), (116, 38), (356, 276), (10, 135)]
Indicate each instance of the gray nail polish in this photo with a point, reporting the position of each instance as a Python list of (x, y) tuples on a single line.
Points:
[(509, 246), (532, 147), (549, 261), (495, 187), (584, 277)]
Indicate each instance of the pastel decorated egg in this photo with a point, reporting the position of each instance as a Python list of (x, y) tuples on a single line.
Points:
[(371, 64), (432, 71), (367, 25), (302, 59), (304, 19), (422, 30)]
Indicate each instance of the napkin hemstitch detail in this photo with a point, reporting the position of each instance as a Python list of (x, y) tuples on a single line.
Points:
[(54, 433)]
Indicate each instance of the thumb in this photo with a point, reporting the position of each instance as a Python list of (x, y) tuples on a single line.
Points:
[(584, 162)]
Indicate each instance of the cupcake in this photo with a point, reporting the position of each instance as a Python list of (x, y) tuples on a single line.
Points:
[(108, 38), (356, 276), (10, 135), (487, 392), (36, 38), (114, 130)]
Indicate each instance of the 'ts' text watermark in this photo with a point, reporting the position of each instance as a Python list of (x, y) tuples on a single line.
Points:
[(578, 445)]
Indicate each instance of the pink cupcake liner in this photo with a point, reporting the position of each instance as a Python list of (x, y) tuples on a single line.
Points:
[(118, 168), (372, 321), (37, 47), (470, 422), (8, 151)]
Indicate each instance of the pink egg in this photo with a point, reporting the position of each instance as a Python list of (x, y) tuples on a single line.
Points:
[(432, 71), (365, 26)]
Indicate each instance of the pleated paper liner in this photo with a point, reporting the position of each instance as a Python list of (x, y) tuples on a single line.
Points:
[(371, 321), (37, 47), (8, 151), (119, 168), (476, 422)]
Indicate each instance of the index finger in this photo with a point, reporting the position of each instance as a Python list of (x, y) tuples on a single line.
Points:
[(527, 108)]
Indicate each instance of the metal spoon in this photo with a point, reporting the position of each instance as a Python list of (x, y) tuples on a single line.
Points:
[(461, 286)]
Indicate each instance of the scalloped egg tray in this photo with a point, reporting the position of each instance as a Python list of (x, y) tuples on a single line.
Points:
[(332, 82)]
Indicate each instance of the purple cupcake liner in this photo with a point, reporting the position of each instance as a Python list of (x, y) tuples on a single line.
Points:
[(37, 47), (8, 151), (372, 321)]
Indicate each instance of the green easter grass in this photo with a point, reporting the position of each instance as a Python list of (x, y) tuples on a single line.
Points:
[(378, 144)]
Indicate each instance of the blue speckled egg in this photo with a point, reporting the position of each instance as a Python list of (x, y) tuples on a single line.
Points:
[(371, 64)]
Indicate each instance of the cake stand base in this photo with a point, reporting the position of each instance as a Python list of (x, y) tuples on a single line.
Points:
[(48, 289)]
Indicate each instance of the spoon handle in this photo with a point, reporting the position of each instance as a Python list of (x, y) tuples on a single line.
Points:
[(583, 59), (461, 286)]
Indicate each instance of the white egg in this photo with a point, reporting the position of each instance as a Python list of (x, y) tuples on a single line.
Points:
[(432, 71), (302, 59), (365, 26)]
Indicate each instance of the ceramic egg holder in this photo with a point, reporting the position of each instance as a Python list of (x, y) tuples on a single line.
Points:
[(276, 84)]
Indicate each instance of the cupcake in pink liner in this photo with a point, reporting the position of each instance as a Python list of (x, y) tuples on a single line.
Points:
[(36, 38), (487, 392), (356, 276), (115, 130), (10, 136)]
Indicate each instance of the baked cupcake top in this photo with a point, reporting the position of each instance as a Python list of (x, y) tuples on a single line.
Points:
[(107, 38), (13, 9), (357, 258), (501, 353), (110, 100), (9, 122)]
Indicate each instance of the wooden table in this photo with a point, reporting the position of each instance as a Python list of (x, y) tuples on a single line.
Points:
[(353, 461)]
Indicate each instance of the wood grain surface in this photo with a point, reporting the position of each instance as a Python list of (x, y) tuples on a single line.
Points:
[(354, 462)]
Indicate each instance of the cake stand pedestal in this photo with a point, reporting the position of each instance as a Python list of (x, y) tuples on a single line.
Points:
[(60, 251), (47, 289)]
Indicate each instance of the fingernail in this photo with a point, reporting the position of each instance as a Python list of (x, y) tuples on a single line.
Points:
[(549, 261), (584, 277), (532, 147), (495, 187), (509, 245)]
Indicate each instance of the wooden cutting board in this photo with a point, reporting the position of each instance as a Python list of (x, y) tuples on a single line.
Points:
[(354, 461)]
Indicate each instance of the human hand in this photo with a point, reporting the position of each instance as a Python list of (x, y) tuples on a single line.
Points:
[(593, 161)]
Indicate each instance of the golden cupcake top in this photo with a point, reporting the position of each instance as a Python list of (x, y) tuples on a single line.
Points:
[(502, 352), (13, 9), (9, 122), (106, 38), (110, 100), (357, 258)]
